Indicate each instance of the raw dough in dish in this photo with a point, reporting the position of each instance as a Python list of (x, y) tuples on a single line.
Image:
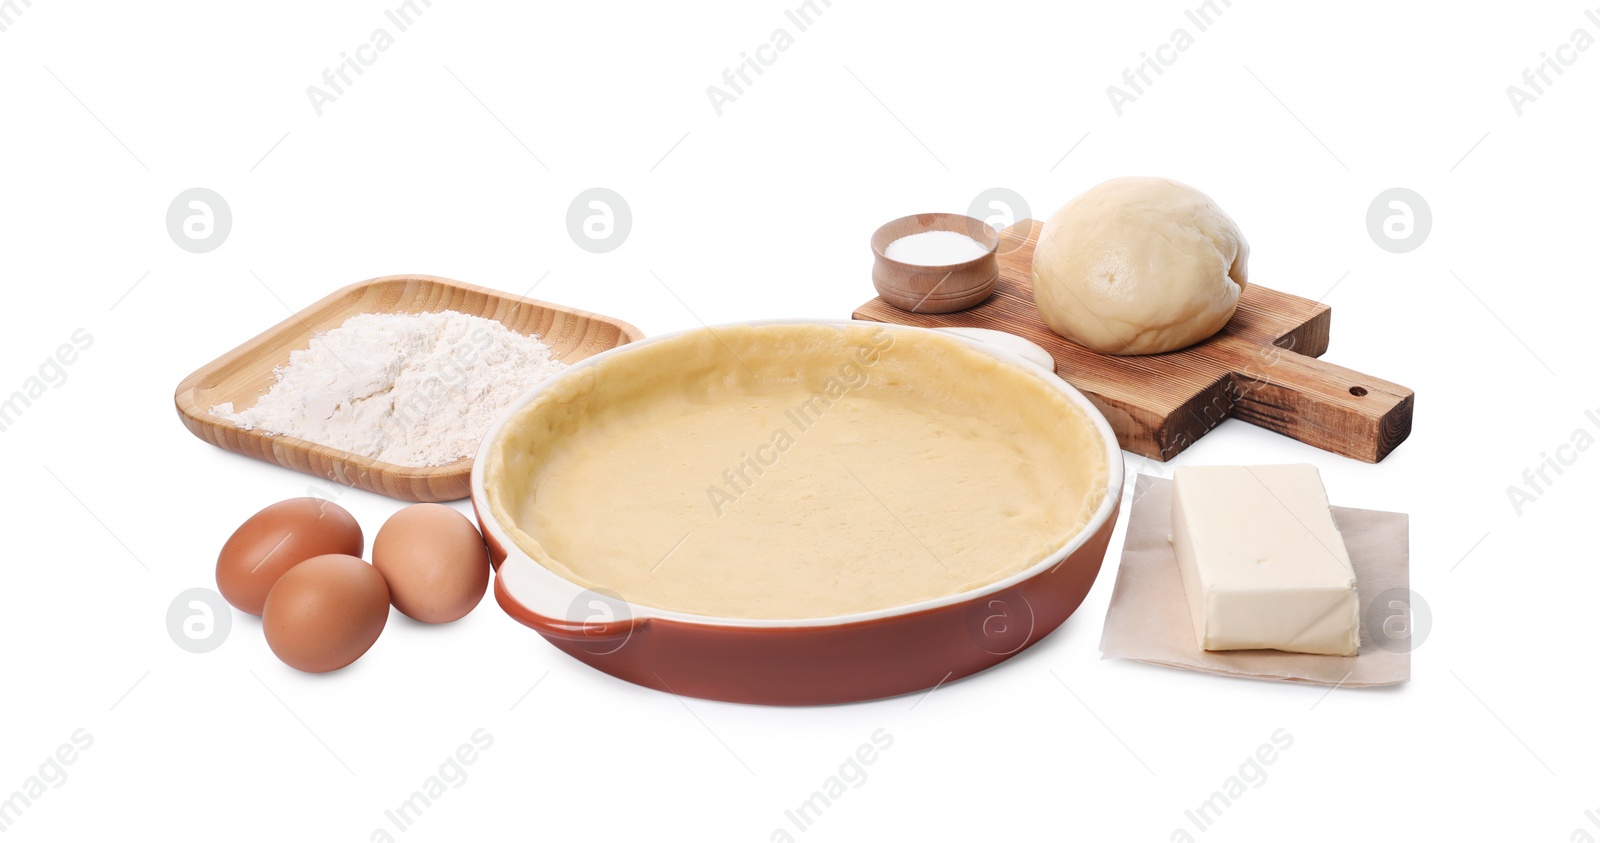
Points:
[(795, 471), (1139, 266)]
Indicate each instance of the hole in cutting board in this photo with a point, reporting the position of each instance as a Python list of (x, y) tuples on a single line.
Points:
[(1358, 391)]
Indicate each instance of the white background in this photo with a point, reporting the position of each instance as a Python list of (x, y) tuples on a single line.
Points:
[(1293, 119)]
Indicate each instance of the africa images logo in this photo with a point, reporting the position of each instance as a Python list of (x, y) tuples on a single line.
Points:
[(852, 375)]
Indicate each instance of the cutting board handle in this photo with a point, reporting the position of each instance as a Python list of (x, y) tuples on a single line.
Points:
[(1319, 403)]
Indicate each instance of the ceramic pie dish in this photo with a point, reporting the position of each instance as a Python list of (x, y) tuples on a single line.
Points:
[(798, 512)]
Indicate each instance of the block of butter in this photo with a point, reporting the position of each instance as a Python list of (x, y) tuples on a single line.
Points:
[(1263, 564)]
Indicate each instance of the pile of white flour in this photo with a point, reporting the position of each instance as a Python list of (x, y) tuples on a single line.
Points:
[(410, 389)]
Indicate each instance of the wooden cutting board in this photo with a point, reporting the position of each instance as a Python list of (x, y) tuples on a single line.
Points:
[(1261, 368)]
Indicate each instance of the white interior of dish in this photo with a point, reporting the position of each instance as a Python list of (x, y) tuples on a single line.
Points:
[(545, 592)]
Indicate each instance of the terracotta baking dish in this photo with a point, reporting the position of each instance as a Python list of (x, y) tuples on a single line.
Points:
[(846, 658)]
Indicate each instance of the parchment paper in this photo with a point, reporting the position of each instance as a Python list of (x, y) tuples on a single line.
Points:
[(1149, 616)]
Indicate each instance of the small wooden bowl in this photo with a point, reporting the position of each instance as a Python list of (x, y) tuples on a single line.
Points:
[(243, 374), (935, 289)]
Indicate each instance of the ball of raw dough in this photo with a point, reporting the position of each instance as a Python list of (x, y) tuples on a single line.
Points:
[(1139, 266)]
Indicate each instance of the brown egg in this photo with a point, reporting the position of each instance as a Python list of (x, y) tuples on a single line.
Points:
[(325, 612), (276, 539), (434, 561)]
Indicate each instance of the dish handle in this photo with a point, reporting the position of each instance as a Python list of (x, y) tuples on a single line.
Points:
[(596, 619)]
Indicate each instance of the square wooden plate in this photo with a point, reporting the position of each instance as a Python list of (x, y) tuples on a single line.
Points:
[(242, 375)]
